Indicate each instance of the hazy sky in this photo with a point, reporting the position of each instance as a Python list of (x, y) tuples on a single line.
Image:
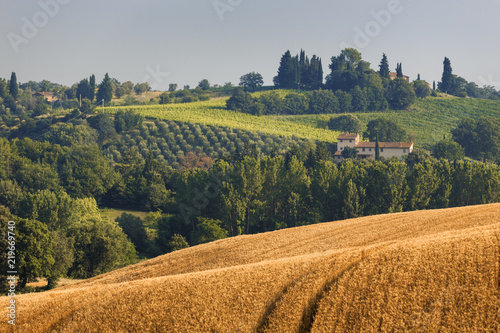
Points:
[(179, 41)]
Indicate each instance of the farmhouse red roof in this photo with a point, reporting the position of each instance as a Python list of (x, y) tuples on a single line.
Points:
[(348, 136)]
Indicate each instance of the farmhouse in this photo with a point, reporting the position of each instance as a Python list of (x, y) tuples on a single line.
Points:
[(48, 96), (394, 75), (366, 150)]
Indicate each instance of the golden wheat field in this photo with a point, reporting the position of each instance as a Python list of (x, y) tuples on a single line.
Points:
[(426, 271)]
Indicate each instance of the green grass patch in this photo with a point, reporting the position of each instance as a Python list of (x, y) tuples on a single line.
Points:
[(112, 214)]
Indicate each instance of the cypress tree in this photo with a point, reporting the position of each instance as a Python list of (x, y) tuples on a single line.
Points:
[(384, 70), (377, 149), (399, 70), (13, 87), (105, 91), (287, 72), (447, 78), (320, 73), (92, 87)]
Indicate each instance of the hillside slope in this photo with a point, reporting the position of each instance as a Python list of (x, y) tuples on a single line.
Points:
[(418, 271), (428, 120)]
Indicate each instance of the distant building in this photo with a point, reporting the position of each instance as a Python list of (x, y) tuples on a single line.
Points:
[(49, 97), (366, 150), (394, 75)]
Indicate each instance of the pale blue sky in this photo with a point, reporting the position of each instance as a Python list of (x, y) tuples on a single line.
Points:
[(190, 40)]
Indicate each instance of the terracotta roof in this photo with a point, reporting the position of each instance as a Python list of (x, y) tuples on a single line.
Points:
[(394, 75), (44, 94), (400, 145), (348, 136)]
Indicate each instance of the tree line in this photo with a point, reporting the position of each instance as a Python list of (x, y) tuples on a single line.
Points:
[(254, 195)]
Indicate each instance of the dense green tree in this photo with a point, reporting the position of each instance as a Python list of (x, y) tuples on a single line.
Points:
[(295, 104), (93, 87), (251, 81), (164, 98), (447, 79), (41, 109), (105, 91), (177, 242), (84, 90), (345, 101), (85, 172), (207, 230), (480, 137), (385, 130), (240, 100), (352, 206), (423, 181), (458, 86), (133, 227), (67, 134), (311, 72), (322, 101), (400, 94), (384, 70), (104, 126), (250, 179), (62, 252), (204, 84), (172, 87), (52, 208), (345, 123), (33, 250), (359, 99), (449, 150), (128, 120), (100, 246), (347, 71), (13, 86), (141, 88), (3, 88), (288, 72), (272, 103), (35, 176), (399, 70), (422, 89)]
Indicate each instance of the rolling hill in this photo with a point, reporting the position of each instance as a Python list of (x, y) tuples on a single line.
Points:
[(424, 271), (428, 120)]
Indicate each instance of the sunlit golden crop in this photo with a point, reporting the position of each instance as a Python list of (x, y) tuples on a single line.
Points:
[(426, 271)]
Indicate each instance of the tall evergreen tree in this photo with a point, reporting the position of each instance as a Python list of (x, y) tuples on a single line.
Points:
[(13, 86), (92, 87), (377, 149), (84, 90), (105, 91), (384, 70), (287, 72), (447, 79), (399, 70), (319, 78)]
